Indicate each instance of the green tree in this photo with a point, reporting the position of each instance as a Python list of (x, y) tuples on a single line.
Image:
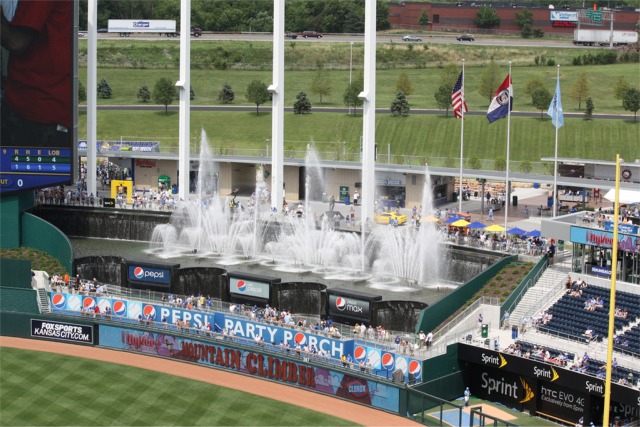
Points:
[(532, 85), (226, 94), (489, 81), (524, 19), (631, 101), (500, 164), (400, 105), (164, 92), (404, 84), (424, 18), (620, 87), (144, 94), (443, 98), (192, 94), (82, 92), (580, 89), (449, 75), (526, 166), (104, 90), (487, 18), (588, 112), (474, 163), (302, 104), (321, 83), (257, 93), (352, 91), (541, 98)]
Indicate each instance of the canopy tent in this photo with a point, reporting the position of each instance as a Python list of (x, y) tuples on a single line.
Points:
[(460, 223), (534, 233), (476, 224), (494, 228), (628, 197), (517, 231), (452, 219), (429, 218)]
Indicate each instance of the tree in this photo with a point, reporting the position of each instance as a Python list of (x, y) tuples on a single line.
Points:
[(524, 19), (631, 101), (588, 112), (424, 19), (192, 94), (449, 75), (302, 104), (82, 92), (104, 90), (164, 92), (620, 87), (404, 84), (257, 93), (352, 91), (489, 81), (474, 163), (532, 85), (144, 94), (487, 18), (580, 89), (226, 94), (541, 98), (443, 98), (400, 105), (321, 83), (500, 164)]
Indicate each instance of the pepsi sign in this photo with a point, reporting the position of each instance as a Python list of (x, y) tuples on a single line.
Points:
[(248, 288), (146, 274), (343, 306)]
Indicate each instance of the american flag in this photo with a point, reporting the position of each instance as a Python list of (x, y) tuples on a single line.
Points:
[(457, 98)]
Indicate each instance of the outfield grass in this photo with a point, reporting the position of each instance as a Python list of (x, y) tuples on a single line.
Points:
[(48, 389)]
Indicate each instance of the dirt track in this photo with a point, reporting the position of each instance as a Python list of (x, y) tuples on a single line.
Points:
[(350, 411)]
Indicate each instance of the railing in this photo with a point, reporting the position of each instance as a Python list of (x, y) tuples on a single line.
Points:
[(452, 324), (528, 284)]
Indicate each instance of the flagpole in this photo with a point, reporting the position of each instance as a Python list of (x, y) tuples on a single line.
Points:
[(461, 142), (506, 187), (555, 156)]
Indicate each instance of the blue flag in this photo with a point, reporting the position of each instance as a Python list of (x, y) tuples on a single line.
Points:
[(502, 101), (555, 109)]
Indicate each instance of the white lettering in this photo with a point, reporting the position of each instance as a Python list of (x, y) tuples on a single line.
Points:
[(499, 386)]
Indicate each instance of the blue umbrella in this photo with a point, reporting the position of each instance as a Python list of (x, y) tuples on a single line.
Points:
[(534, 233), (517, 231), (476, 224), (452, 219)]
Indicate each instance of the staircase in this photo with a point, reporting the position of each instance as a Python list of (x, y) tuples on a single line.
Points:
[(539, 295), (43, 301)]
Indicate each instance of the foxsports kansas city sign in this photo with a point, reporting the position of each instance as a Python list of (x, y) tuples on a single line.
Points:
[(349, 307), (79, 334), (248, 288), (146, 274)]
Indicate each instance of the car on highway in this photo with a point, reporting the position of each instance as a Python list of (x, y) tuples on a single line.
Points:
[(389, 217), (291, 36), (103, 30), (465, 38), (410, 38), (313, 34)]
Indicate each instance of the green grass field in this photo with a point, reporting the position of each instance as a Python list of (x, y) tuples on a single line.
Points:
[(53, 390)]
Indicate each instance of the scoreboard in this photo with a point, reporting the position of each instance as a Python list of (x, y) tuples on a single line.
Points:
[(24, 168)]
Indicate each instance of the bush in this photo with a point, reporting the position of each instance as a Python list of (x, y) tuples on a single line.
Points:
[(551, 62), (538, 33)]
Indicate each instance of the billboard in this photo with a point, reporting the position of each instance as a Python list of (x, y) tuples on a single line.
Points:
[(604, 239), (249, 288), (344, 306), (62, 331), (560, 15), (146, 274), (38, 118)]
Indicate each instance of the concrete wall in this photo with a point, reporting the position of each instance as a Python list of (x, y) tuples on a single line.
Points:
[(148, 171)]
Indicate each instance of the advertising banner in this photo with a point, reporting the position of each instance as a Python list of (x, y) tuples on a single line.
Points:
[(561, 402), (146, 274), (559, 15), (601, 271), (249, 288), (604, 239), (294, 373), (622, 228), (62, 331), (504, 387), (349, 307)]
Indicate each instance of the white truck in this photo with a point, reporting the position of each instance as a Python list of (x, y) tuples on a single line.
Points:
[(125, 27), (601, 37)]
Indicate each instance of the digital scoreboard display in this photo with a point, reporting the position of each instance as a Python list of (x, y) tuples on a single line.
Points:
[(24, 168), (39, 103)]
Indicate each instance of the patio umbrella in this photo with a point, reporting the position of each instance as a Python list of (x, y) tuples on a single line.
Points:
[(476, 224), (534, 233), (452, 219), (517, 231), (429, 218), (494, 228), (461, 223)]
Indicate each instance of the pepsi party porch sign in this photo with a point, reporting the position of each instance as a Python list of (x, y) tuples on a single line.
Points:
[(146, 274), (248, 288), (79, 334), (344, 306)]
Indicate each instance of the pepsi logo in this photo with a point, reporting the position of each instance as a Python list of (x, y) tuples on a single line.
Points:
[(119, 308), (341, 303), (300, 338), (415, 368), (149, 310), (58, 301), (388, 361), (88, 303), (138, 272), (360, 353), (241, 286)]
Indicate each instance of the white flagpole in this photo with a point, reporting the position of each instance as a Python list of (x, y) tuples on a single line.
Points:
[(506, 187), (555, 156), (461, 141)]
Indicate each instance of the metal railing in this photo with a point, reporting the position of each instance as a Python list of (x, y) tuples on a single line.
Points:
[(452, 324)]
